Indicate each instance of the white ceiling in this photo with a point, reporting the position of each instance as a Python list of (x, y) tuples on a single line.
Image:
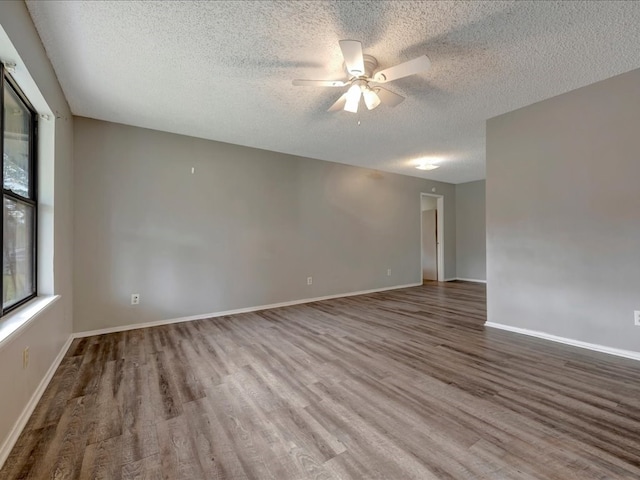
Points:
[(223, 70)]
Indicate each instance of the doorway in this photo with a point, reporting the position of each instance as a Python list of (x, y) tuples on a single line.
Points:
[(431, 233)]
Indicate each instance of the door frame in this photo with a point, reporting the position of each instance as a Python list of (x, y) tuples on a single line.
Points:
[(439, 233)]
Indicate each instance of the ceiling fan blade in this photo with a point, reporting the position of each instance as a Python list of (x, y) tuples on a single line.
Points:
[(371, 98), (318, 83), (388, 97), (402, 70), (353, 58), (339, 105)]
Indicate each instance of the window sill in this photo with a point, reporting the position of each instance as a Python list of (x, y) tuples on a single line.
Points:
[(21, 317)]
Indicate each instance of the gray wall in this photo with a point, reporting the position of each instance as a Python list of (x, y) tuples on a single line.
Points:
[(47, 333), (563, 214), (246, 230), (471, 252)]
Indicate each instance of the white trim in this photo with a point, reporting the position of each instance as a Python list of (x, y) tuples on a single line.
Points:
[(454, 279), (15, 432), (567, 341), (439, 233), (22, 317), (203, 316)]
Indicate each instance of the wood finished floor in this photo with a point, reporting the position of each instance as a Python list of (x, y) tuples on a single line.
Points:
[(395, 385)]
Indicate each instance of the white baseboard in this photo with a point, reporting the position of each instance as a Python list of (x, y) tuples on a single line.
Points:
[(13, 436), (567, 341), (453, 279), (203, 316)]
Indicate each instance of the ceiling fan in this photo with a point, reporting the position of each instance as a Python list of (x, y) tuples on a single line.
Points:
[(362, 72)]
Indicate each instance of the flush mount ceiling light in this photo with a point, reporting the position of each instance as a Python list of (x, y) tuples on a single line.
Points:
[(426, 166), (362, 71), (427, 163)]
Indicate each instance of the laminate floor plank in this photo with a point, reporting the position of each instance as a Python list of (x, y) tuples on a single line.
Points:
[(250, 436), (103, 460), (404, 384), (55, 398), (61, 458), (178, 454), (216, 452), (149, 468)]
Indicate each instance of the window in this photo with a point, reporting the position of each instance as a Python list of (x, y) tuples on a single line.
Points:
[(18, 144)]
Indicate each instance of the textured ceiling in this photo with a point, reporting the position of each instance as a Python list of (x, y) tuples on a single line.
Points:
[(223, 70)]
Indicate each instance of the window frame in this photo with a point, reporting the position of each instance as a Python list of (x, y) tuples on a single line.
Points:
[(32, 199)]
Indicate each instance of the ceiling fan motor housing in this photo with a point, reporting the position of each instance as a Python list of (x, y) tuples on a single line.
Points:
[(370, 65)]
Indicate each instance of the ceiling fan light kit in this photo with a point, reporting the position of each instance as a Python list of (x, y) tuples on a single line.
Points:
[(353, 97), (371, 98), (362, 71)]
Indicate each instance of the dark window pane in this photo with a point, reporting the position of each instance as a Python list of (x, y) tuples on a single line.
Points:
[(17, 120), (18, 281)]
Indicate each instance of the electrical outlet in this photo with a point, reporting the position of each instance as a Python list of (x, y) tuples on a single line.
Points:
[(135, 298), (388, 272), (636, 318), (309, 280), (25, 357)]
